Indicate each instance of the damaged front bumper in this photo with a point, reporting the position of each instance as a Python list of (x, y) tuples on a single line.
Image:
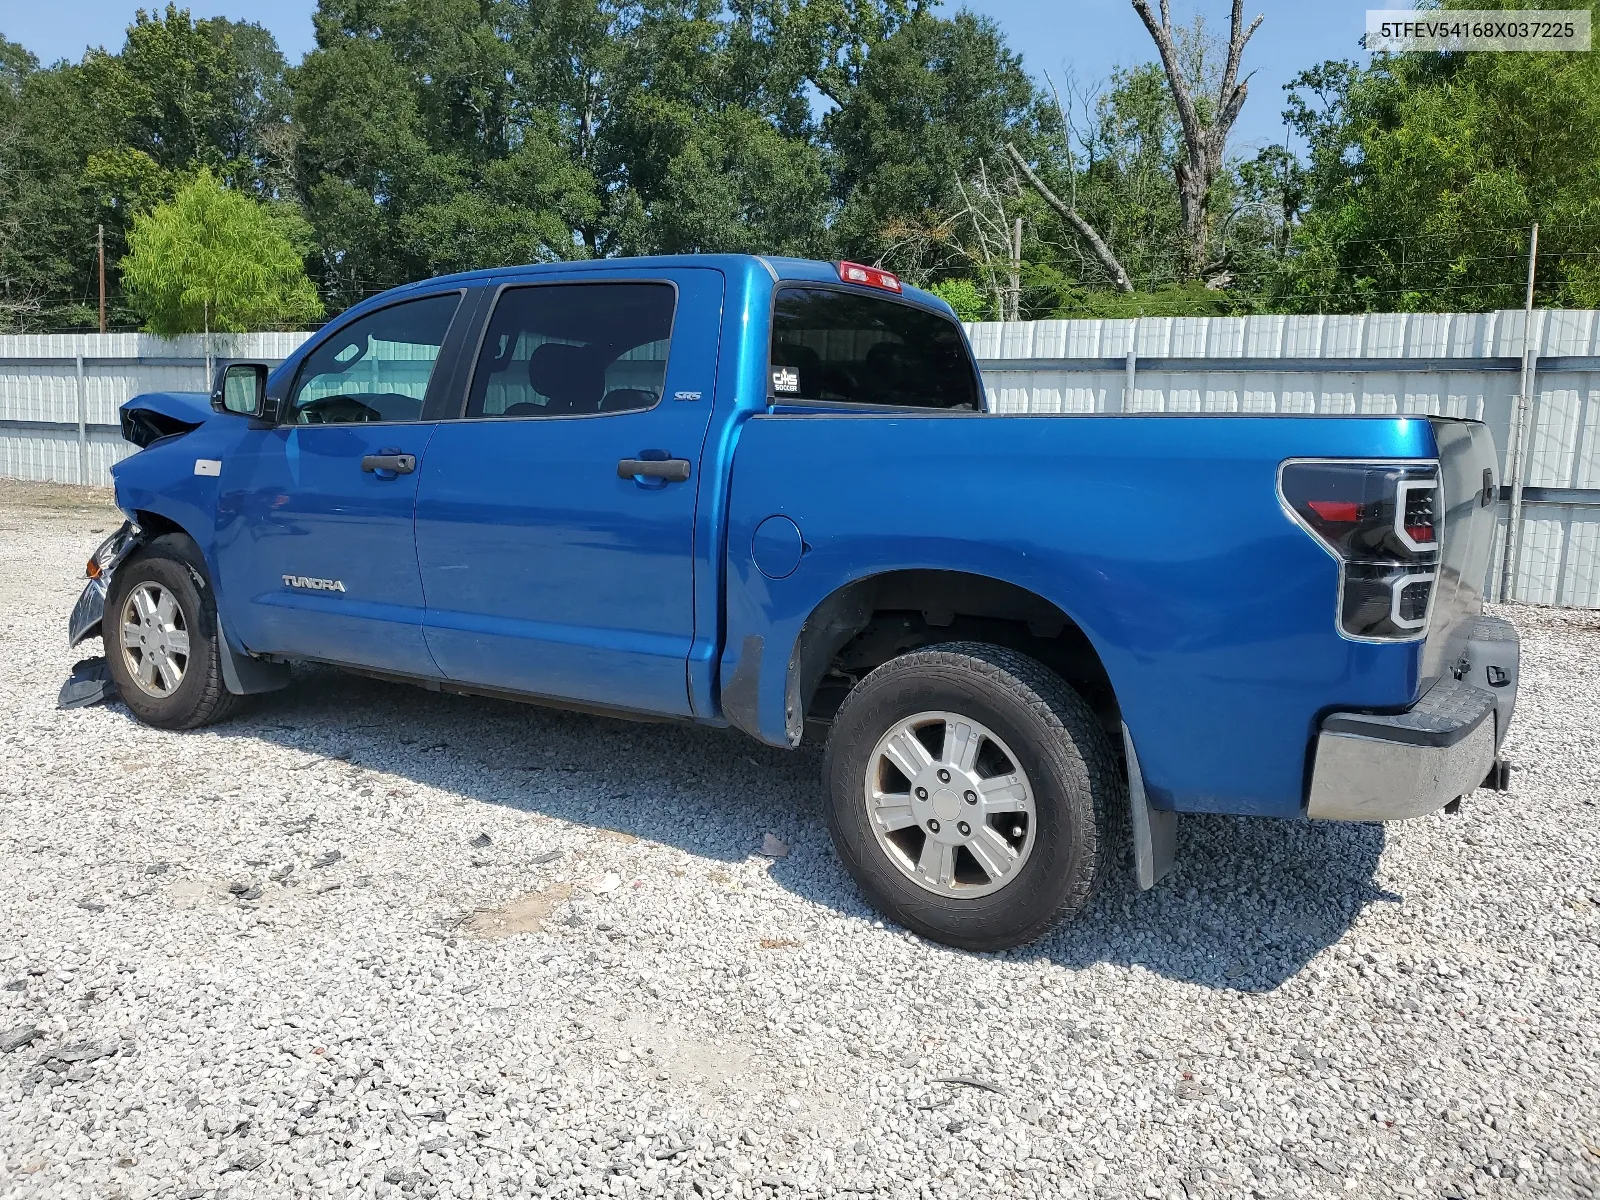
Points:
[(90, 610)]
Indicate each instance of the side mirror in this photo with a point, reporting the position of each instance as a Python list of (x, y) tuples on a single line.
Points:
[(241, 389)]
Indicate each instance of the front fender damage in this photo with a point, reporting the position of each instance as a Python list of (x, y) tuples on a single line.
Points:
[(89, 611), (242, 674)]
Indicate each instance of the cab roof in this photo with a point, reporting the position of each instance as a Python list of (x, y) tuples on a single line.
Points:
[(781, 270)]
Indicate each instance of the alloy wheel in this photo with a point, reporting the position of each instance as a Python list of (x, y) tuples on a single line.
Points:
[(950, 805)]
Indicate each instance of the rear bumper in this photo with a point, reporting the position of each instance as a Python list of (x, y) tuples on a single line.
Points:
[(1385, 767)]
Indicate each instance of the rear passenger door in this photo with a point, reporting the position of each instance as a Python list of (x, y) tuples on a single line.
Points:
[(555, 516)]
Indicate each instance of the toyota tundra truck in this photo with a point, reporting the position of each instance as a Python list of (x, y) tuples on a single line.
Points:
[(768, 493)]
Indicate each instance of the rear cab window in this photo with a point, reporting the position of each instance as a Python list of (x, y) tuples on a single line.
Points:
[(830, 345)]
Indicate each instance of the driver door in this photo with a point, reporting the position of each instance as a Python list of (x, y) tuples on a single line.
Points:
[(316, 548)]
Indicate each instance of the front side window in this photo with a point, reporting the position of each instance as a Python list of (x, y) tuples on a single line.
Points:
[(843, 346), (374, 369), (570, 349)]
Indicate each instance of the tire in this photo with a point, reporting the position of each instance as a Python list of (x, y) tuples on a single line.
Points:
[(180, 690), (1067, 786)]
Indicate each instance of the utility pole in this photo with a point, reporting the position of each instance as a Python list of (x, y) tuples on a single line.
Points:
[(1518, 435), (1016, 271), (100, 247)]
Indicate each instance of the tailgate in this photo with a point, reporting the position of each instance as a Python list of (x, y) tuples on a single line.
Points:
[(1469, 484)]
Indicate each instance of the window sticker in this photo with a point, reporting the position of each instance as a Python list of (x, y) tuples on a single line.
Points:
[(785, 379)]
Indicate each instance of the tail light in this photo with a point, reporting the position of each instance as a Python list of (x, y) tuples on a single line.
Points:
[(1381, 522)]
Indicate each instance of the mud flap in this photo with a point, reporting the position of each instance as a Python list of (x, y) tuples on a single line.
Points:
[(246, 676), (1155, 831)]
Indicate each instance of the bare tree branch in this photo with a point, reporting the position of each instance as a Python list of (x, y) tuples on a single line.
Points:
[(1166, 46), (1228, 94), (1204, 142), (1102, 253)]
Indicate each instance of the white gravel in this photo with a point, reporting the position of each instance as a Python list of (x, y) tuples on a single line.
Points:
[(374, 1010)]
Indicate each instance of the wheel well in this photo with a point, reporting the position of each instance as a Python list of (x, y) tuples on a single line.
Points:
[(154, 524), (867, 623)]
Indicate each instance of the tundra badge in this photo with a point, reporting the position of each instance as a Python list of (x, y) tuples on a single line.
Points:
[(315, 585)]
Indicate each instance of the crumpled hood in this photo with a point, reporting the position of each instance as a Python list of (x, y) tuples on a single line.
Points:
[(157, 415)]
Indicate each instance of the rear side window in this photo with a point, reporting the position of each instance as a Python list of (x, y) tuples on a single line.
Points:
[(843, 346), (376, 368), (574, 349)]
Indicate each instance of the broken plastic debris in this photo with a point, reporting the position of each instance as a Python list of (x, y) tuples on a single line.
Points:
[(773, 846), (609, 882), (90, 683)]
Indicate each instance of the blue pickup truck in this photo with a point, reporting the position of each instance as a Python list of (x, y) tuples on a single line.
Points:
[(766, 493)]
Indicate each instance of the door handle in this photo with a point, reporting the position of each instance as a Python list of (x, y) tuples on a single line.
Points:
[(670, 470), (400, 464)]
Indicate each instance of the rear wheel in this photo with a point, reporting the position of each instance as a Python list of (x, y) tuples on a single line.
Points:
[(160, 633), (969, 788)]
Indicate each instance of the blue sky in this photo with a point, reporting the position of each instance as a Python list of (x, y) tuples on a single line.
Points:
[(1087, 37)]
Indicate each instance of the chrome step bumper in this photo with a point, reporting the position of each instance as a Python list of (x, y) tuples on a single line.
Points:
[(1385, 767)]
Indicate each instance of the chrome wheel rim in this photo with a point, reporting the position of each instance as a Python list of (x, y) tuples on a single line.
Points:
[(950, 805), (155, 639)]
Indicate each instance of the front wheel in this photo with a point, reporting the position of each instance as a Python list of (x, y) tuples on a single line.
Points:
[(160, 633), (968, 792)]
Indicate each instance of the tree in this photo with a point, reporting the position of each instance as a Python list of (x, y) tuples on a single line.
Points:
[(1426, 171), (964, 296), (1174, 116), (1119, 204), (213, 258), (18, 295), (1206, 116), (708, 146), (49, 132), (192, 93), (428, 141), (93, 143), (932, 100)]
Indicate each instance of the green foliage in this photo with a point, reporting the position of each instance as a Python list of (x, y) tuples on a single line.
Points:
[(17, 299), (96, 142), (931, 101), (213, 258), (418, 152), (964, 296), (428, 136), (736, 185), (1168, 300), (189, 93), (434, 137), (1427, 171), (1125, 184)]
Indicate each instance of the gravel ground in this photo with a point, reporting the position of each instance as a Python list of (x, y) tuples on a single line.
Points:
[(367, 940)]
